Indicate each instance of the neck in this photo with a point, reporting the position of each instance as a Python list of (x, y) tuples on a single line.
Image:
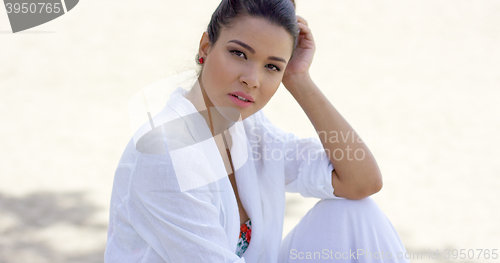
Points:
[(215, 121)]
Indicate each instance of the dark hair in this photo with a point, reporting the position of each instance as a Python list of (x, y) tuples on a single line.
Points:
[(278, 12)]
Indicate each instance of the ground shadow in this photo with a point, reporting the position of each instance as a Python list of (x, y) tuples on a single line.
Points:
[(22, 219)]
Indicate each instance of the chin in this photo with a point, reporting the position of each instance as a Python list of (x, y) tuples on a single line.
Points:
[(230, 113)]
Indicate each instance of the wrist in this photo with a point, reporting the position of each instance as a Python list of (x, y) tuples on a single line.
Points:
[(300, 82)]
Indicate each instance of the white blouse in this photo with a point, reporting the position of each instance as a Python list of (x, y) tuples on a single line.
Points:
[(178, 205)]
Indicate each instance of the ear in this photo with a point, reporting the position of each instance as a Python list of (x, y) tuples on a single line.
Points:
[(204, 45)]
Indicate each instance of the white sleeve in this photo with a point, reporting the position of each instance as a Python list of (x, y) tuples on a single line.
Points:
[(308, 169), (181, 226)]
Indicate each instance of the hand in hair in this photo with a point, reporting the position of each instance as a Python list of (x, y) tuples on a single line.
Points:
[(303, 55)]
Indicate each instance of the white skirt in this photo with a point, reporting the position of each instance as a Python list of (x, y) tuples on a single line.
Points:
[(342, 230)]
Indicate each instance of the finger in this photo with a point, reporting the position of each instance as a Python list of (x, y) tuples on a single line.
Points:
[(305, 32), (304, 29), (302, 20)]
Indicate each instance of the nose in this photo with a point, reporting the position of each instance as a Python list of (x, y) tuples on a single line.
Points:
[(250, 78)]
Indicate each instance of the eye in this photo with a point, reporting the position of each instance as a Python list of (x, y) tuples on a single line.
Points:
[(238, 53), (273, 67)]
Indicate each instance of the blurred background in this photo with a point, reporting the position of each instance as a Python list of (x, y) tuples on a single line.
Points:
[(418, 80)]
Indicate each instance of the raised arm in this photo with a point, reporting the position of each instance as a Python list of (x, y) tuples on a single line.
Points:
[(353, 178)]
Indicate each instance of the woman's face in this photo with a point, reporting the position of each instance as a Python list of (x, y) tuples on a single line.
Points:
[(248, 60)]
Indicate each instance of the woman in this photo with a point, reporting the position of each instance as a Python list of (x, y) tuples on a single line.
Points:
[(207, 183)]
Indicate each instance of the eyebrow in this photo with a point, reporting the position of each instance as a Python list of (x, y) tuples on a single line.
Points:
[(253, 50)]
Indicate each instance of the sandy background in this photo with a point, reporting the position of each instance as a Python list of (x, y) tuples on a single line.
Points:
[(418, 80)]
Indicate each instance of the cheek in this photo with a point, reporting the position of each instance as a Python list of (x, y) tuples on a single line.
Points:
[(223, 69), (268, 91), (270, 94), (273, 84)]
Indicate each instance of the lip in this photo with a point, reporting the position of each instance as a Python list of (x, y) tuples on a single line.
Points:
[(243, 94), (238, 102)]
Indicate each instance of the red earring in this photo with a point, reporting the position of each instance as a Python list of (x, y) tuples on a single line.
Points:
[(201, 60)]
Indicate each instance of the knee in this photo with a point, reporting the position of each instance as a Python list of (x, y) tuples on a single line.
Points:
[(346, 205), (346, 211)]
